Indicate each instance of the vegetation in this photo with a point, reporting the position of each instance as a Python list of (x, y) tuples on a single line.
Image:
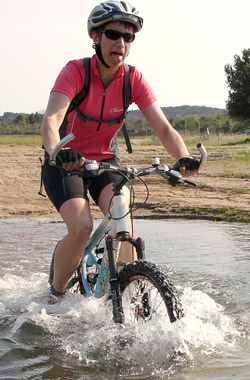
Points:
[(224, 214), (20, 123), (186, 119), (191, 141), (238, 80), (35, 140)]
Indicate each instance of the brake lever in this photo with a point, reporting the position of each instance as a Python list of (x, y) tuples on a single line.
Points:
[(174, 177), (189, 182)]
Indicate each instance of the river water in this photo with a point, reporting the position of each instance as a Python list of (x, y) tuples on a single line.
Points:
[(209, 263)]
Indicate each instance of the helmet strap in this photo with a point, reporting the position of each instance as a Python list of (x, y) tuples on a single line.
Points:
[(98, 50)]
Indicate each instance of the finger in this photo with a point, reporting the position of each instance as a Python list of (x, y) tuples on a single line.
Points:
[(81, 161), (74, 165), (182, 170), (67, 165), (189, 173), (78, 164)]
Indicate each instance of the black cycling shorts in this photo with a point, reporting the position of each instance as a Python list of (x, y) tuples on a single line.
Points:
[(61, 187)]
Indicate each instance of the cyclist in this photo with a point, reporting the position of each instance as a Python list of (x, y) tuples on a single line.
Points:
[(112, 26)]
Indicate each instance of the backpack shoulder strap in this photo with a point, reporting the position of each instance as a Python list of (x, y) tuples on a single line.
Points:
[(126, 87), (126, 100), (79, 98)]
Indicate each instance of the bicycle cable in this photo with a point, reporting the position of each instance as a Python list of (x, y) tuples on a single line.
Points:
[(132, 197)]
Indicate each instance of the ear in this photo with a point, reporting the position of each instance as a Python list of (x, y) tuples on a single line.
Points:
[(95, 36)]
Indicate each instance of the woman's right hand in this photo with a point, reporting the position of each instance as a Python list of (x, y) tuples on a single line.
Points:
[(70, 159)]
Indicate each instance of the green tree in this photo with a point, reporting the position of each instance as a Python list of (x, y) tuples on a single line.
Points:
[(192, 123), (238, 80)]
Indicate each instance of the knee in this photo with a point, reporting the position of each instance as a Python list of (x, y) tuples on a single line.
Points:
[(81, 232)]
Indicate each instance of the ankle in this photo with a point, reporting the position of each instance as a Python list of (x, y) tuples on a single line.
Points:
[(57, 293)]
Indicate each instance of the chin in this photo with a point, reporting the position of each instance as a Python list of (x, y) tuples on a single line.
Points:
[(112, 66)]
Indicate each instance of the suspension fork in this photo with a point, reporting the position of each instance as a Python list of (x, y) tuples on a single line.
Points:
[(138, 243), (114, 282)]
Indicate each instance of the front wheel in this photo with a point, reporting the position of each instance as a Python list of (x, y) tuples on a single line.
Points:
[(148, 294)]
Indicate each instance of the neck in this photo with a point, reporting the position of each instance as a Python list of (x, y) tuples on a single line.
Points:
[(106, 74)]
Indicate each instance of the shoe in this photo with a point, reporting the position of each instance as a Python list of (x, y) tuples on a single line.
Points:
[(55, 296)]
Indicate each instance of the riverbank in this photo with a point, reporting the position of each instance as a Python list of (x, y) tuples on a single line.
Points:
[(222, 192)]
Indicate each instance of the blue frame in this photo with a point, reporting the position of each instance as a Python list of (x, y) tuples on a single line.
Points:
[(89, 258)]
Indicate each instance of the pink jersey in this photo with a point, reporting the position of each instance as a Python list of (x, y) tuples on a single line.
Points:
[(93, 139)]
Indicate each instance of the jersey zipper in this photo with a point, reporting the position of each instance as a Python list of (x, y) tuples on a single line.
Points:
[(103, 102)]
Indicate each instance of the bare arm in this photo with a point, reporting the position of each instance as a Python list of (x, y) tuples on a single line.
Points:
[(169, 137), (52, 120)]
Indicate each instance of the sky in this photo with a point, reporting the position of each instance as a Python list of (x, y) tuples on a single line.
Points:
[(181, 50)]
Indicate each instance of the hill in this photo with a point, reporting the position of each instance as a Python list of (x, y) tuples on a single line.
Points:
[(181, 111)]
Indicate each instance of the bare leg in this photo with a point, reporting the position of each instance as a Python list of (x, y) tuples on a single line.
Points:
[(76, 214), (127, 251)]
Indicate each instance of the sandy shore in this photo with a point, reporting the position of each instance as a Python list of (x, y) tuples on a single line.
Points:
[(222, 191)]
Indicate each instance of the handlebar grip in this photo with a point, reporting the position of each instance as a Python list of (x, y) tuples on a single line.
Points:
[(203, 155), (59, 145)]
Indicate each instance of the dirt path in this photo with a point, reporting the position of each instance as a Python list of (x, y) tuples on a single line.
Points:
[(223, 191)]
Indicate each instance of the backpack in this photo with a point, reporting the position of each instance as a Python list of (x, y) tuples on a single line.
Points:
[(78, 99)]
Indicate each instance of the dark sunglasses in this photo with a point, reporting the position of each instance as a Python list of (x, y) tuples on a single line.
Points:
[(115, 35)]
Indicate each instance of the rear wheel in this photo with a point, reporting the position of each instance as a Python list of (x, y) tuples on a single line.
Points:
[(148, 294)]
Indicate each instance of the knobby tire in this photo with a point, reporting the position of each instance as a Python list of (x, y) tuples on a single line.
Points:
[(148, 292)]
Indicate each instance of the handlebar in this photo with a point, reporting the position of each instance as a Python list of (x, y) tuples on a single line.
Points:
[(60, 145), (94, 168), (203, 153)]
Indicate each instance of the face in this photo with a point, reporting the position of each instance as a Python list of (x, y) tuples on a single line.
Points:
[(114, 51)]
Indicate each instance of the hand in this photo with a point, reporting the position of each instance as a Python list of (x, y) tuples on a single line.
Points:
[(70, 159), (187, 166)]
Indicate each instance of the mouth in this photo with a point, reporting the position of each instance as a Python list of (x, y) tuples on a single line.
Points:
[(117, 57), (115, 53)]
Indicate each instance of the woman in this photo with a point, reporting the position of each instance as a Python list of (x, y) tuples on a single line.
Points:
[(112, 26)]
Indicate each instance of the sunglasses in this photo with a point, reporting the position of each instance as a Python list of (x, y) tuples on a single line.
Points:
[(115, 35)]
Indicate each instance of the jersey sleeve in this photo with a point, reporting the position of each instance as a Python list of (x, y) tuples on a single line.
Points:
[(141, 92), (70, 80)]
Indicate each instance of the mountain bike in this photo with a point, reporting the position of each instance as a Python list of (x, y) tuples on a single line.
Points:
[(141, 291)]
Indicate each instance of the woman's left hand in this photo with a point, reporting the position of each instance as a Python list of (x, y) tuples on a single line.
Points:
[(187, 166)]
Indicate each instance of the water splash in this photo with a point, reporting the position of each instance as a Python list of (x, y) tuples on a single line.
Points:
[(83, 329)]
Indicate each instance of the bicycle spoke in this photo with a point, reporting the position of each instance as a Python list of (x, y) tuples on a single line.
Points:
[(148, 294), (143, 301)]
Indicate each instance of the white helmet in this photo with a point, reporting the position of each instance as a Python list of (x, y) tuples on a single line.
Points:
[(109, 11)]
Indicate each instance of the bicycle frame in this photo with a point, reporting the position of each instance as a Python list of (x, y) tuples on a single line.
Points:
[(113, 223), (90, 258)]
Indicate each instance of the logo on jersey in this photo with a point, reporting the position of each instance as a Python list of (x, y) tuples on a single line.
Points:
[(116, 109)]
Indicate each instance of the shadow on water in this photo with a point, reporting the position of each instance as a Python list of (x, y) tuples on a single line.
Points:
[(77, 339)]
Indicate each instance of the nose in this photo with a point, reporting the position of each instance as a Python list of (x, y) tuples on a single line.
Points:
[(121, 41)]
